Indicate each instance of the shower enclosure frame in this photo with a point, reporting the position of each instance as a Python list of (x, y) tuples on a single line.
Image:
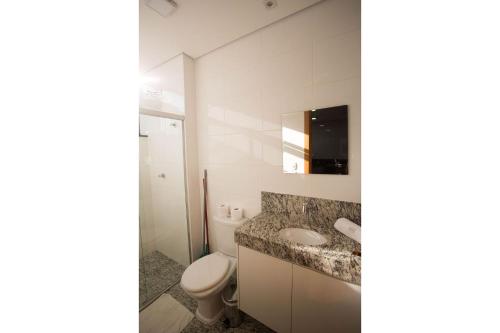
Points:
[(181, 118)]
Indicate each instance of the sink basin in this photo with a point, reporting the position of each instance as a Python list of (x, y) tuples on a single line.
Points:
[(302, 236)]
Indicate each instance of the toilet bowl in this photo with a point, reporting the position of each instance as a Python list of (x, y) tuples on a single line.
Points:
[(205, 279)]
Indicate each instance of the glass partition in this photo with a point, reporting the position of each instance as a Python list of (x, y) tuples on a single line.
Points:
[(164, 238)]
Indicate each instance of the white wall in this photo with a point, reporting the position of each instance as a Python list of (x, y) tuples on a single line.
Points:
[(308, 60), (162, 89), (191, 139)]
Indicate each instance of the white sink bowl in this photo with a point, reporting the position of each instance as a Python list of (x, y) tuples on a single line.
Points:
[(302, 236)]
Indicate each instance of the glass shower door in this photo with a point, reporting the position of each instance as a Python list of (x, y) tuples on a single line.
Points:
[(164, 237)]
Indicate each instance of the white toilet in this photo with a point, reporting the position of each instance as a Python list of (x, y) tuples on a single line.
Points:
[(205, 279)]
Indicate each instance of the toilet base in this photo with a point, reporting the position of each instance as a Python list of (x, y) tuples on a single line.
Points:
[(209, 321), (210, 309)]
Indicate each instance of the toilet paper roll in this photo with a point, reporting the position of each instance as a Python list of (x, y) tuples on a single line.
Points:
[(236, 214), (222, 210)]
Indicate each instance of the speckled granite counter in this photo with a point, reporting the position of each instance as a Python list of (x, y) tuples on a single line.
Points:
[(335, 258)]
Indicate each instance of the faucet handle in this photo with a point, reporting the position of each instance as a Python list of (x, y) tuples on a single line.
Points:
[(306, 205)]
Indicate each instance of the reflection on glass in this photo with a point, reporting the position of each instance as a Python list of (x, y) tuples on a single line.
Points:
[(315, 141)]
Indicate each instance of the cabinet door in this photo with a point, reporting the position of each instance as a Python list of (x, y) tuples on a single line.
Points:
[(265, 287), (324, 304)]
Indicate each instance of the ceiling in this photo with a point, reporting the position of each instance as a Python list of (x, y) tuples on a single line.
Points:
[(197, 27)]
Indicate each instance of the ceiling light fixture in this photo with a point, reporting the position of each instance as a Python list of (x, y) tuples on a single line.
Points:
[(162, 7), (270, 4)]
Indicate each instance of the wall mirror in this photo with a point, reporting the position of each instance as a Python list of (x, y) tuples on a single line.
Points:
[(315, 141)]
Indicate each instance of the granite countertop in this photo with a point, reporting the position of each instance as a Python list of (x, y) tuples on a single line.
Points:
[(335, 258)]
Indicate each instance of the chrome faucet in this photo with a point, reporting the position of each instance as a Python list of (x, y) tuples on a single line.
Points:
[(307, 208)]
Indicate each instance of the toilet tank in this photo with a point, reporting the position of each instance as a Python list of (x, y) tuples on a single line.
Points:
[(224, 234)]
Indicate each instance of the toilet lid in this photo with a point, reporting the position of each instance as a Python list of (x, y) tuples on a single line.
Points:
[(205, 273)]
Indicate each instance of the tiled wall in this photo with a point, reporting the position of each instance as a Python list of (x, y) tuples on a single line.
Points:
[(162, 89), (309, 60)]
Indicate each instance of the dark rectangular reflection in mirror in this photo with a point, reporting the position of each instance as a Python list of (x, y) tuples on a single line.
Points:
[(316, 141), (328, 143)]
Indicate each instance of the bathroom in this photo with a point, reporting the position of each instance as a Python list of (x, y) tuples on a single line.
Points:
[(250, 166), (259, 118)]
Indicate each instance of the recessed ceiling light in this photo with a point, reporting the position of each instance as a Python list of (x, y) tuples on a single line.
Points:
[(162, 7), (270, 4), (314, 118), (313, 110)]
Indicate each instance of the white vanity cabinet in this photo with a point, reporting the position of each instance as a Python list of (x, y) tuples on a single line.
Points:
[(290, 298), (265, 288), (321, 303)]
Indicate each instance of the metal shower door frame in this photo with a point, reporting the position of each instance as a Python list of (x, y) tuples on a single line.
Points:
[(180, 117)]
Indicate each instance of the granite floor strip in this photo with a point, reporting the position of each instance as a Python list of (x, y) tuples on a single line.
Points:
[(157, 272)]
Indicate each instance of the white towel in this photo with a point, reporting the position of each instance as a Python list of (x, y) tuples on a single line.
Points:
[(348, 228)]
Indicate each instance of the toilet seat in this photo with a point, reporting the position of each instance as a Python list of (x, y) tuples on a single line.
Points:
[(205, 273)]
